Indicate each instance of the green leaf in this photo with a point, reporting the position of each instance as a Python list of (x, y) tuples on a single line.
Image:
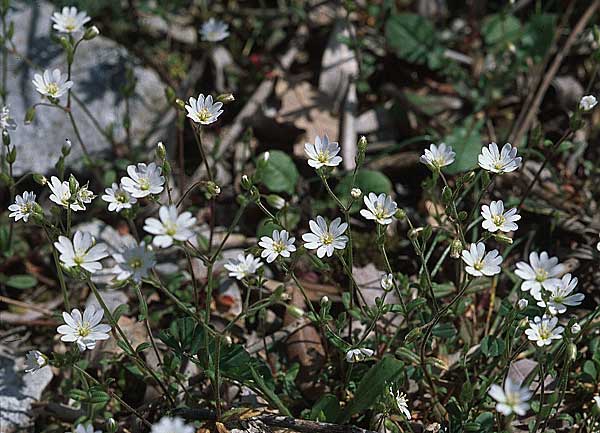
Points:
[(500, 29), (492, 346), (372, 386), (590, 369), (538, 35), (21, 281), (326, 409), (466, 142), (279, 173), (368, 181), (444, 330), (412, 37)]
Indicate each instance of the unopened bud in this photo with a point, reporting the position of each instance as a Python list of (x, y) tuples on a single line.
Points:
[(524, 323), (40, 179), (73, 185), (180, 103), (324, 300), (295, 311), (456, 248), (275, 201), (387, 282), (66, 149), (212, 189), (503, 239), (355, 193), (362, 144), (226, 98), (11, 156), (29, 115), (572, 352), (414, 233), (400, 214), (522, 304), (161, 152), (246, 182), (111, 425), (91, 33), (5, 137), (575, 328)]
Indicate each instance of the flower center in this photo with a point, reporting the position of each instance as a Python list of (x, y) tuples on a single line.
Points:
[(170, 228), (204, 115), (545, 333), (327, 239), (79, 259), (478, 265), (70, 24), (541, 275), (323, 157), (498, 165), (498, 220), (83, 330), (26, 208), (135, 263), (52, 88), (278, 247), (144, 184), (379, 212), (121, 197)]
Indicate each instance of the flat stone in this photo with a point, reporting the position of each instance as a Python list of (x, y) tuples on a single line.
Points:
[(98, 75), (18, 390)]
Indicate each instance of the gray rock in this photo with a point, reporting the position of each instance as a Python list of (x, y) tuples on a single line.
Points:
[(98, 74), (18, 390)]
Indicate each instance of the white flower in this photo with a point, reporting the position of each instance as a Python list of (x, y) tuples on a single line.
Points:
[(588, 102), (203, 110), (560, 296), (84, 330), (575, 328), (243, 266), (494, 217), (23, 206), (7, 122), (355, 193), (380, 208), (171, 226), (358, 354), (62, 195), (133, 261), (280, 244), (117, 198), (438, 156), (172, 425), (541, 272), (87, 428), (143, 180), (34, 361), (214, 30), (387, 282), (52, 83), (401, 402), (496, 161), (522, 304), (69, 20), (479, 263), (324, 239), (511, 399), (544, 330), (323, 152), (82, 252)]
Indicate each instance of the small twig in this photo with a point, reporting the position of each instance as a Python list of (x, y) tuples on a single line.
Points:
[(26, 305)]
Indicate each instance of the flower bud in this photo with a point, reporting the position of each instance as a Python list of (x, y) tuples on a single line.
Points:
[(295, 311), (400, 214), (66, 148), (29, 115), (5, 137), (575, 328), (522, 304), (524, 323), (111, 426), (246, 182), (73, 185), (355, 193), (362, 144), (456, 248), (11, 156), (40, 179), (226, 98), (91, 33), (324, 300), (170, 94), (387, 282), (180, 104), (161, 152), (503, 239), (212, 189), (587, 103), (275, 201), (572, 352), (413, 234)]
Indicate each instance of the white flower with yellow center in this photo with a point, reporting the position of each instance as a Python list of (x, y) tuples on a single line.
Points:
[(143, 180), (117, 198), (171, 227), (279, 244), (494, 217), (542, 271), (69, 20), (172, 425), (358, 354), (499, 161), (325, 239), (437, 157), (323, 153), (82, 252), (23, 206), (52, 83), (61, 194), (243, 266), (214, 30), (380, 208), (203, 110), (479, 263), (559, 297), (84, 329), (134, 261), (543, 330), (511, 399)]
